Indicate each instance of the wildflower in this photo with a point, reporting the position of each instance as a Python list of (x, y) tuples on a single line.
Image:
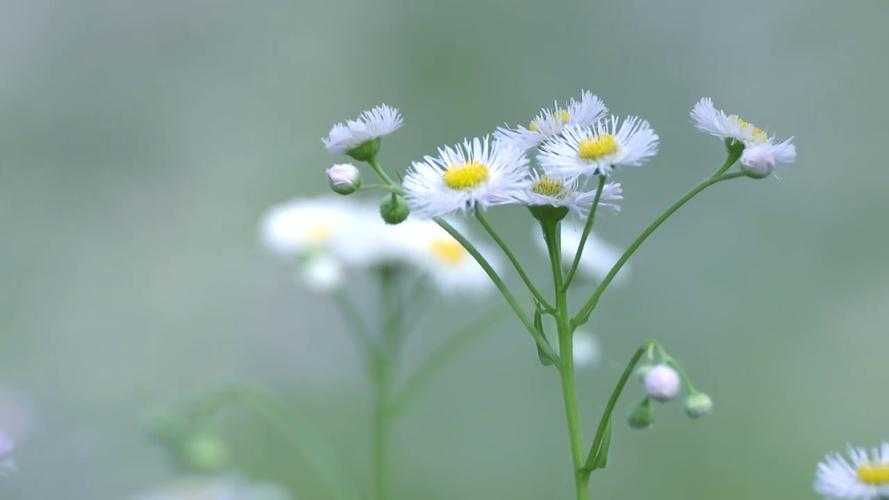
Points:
[(359, 138), (596, 150), (662, 383), (550, 122), (698, 404), (344, 178), (641, 415), (758, 161), (477, 173), (863, 476), (547, 190)]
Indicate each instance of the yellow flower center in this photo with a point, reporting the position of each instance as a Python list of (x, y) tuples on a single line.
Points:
[(319, 234), (756, 134), (873, 473), (467, 175), (448, 251), (597, 147), (549, 186), (561, 115)]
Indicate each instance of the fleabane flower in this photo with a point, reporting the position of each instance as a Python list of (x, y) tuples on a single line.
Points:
[(547, 190), (596, 150), (355, 137), (863, 476), (477, 173), (437, 254), (551, 121), (708, 119)]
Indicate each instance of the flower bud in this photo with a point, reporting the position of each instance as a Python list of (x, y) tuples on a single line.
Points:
[(641, 415), (662, 383), (394, 209), (758, 161), (698, 404), (344, 178), (642, 371), (206, 452)]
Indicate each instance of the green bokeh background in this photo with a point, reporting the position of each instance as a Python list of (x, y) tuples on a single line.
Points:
[(141, 140)]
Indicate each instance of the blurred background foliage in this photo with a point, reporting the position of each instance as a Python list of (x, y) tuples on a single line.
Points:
[(140, 141)]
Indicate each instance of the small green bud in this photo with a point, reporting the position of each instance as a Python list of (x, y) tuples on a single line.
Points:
[(206, 452), (394, 209), (698, 404), (641, 415), (734, 148), (344, 178), (366, 150)]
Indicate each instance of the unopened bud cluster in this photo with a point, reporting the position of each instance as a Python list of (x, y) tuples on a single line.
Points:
[(662, 378)]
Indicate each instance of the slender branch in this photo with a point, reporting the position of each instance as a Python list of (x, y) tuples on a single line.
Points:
[(512, 258), (612, 402), (384, 187), (438, 359), (501, 286), (356, 325), (587, 309), (375, 165), (588, 227)]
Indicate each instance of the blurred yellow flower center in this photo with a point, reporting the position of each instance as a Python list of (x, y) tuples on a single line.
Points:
[(465, 175), (448, 251), (872, 473), (548, 186), (319, 234), (561, 115), (597, 147), (756, 134)]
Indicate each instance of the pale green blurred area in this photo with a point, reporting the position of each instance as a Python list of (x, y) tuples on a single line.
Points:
[(141, 141)]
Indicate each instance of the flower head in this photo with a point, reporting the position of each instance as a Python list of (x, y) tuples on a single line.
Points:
[(759, 160), (551, 121), (436, 253), (717, 123), (863, 476), (548, 190), (477, 173), (378, 122), (598, 149)]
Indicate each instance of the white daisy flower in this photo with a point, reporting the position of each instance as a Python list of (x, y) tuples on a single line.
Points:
[(598, 255), (477, 173), (862, 476), (215, 488), (598, 149), (435, 252), (306, 226), (717, 123), (378, 122), (550, 121), (547, 190)]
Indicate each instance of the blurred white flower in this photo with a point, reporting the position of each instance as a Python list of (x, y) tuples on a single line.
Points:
[(587, 350), (662, 383), (717, 123), (597, 149), (435, 252), (598, 255), (378, 122), (476, 173), (305, 226), (322, 273), (549, 122), (215, 488), (862, 476), (547, 190), (7, 446)]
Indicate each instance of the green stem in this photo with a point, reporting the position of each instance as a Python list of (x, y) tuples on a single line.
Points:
[(501, 286), (479, 214), (612, 402), (552, 234), (381, 378), (588, 227), (587, 309), (375, 165)]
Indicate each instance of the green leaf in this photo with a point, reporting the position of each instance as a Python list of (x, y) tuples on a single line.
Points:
[(538, 324), (601, 460)]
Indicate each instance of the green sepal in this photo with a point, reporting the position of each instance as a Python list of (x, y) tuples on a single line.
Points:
[(734, 148), (366, 150), (548, 213)]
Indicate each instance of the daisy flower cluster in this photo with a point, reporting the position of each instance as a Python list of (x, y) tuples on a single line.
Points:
[(862, 475), (560, 166), (329, 238)]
